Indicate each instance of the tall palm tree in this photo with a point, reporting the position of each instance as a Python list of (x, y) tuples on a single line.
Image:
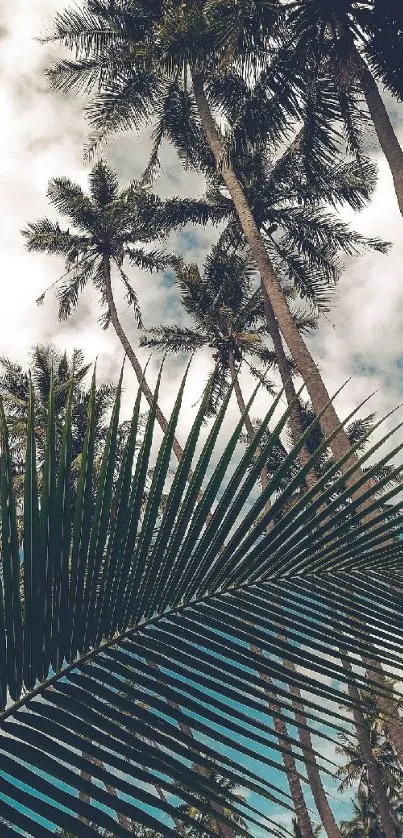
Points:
[(303, 238), (354, 44), (228, 316), (141, 58), (109, 224), (107, 596)]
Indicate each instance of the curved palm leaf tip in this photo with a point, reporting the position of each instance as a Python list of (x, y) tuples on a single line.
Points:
[(135, 624)]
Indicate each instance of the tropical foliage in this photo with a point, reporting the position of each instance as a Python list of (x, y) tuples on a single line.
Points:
[(190, 651), (353, 773), (51, 367), (124, 655)]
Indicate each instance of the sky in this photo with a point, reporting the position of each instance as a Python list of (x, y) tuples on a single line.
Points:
[(42, 136)]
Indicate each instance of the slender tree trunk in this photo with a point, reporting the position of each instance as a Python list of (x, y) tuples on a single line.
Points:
[(247, 421), (303, 359), (374, 775), (288, 385), (380, 118), (297, 795), (388, 706), (82, 795), (216, 824), (178, 450), (280, 727), (384, 129), (312, 769)]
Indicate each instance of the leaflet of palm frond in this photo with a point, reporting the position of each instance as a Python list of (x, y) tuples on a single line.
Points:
[(189, 596), (255, 114), (177, 121)]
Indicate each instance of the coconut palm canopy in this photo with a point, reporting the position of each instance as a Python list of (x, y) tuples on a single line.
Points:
[(48, 364), (108, 224), (126, 633), (228, 316)]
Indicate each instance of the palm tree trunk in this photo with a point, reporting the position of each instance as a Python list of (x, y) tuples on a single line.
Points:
[(280, 727), (217, 825), (380, 118), (288, 385), (246, 418), (388, 706), (312, 770), (374, 775), (303, 359), (297, 795), (384, 129), (162, 421)]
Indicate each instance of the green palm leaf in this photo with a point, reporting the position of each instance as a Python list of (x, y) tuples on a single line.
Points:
[(129, 657)]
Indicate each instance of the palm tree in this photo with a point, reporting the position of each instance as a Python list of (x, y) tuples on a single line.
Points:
[(114, 608), (364, 823), (51, 367), (228, 317), (355, 770), (141, 58), (354, 44), (108, 224), (203, 828), (304, 240)]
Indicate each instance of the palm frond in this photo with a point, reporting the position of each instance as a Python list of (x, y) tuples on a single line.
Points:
[(69, 199), (172, 339), (136, 666)]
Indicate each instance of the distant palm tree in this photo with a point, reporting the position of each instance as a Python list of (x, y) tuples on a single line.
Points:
[(48, 363), (109, 224), (228, 318), (364, 823), (355, 770)]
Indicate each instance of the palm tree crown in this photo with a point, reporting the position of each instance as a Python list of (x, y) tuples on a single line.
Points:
[(108, 224), (345, 47), (228, 316), (49, 367)]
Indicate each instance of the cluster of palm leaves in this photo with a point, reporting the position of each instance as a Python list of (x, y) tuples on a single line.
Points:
[(178, 651), (353, 773)]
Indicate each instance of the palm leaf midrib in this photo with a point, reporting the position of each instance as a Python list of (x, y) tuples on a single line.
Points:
[(171, 612)]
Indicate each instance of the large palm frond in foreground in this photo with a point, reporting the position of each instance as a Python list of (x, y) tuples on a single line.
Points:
[(134, 643)]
